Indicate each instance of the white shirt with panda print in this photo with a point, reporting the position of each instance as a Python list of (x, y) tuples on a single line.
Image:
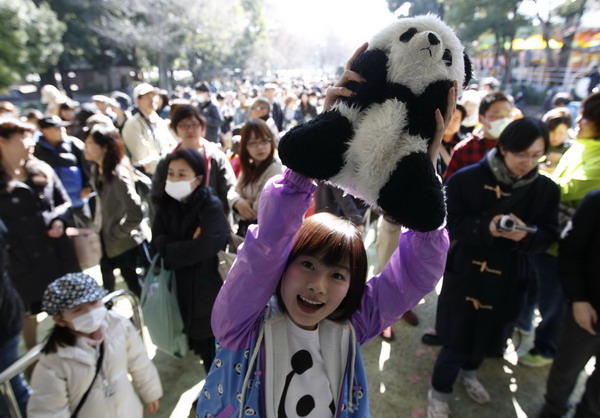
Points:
[(307, 392)]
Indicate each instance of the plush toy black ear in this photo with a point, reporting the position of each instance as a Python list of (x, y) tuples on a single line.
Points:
[(468, 69)]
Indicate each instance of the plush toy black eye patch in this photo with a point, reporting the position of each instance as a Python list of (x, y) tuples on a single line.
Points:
[(447, 57), (408, 35)]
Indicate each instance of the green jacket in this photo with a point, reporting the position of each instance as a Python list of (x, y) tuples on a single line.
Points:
[(578, 171)]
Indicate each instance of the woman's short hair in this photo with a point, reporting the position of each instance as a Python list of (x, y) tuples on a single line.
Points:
[(489, 99), (11, 126), (590, 110), (521, 133), (561, 99), (556, 117), (334, 241), (186, 111), (193, 158), (108, 137)]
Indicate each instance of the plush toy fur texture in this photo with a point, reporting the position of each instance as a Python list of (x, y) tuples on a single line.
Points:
[(374, 144)]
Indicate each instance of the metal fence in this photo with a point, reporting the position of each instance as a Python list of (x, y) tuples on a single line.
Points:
[(565, 77), (33, 355)]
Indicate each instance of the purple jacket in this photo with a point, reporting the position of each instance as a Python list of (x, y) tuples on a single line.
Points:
[(411, 273)]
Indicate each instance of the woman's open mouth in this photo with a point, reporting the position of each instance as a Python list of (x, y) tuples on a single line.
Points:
[(308, 305)]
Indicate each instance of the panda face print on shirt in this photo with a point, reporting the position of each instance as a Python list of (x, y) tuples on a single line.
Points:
[(306, 392)]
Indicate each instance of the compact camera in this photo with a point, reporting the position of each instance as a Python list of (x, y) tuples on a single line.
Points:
[(508, 224)]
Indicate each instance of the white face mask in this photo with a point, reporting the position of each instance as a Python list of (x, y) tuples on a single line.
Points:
[(497, 126), (179, 190), (202, 97), (471, 120), (90, 321)]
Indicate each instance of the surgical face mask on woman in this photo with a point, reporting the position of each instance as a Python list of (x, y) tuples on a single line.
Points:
[(179, 190), (89, 321), (182, 180), (497, 126)]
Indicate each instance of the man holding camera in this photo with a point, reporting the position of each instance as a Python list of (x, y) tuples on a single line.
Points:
[(500, 213)]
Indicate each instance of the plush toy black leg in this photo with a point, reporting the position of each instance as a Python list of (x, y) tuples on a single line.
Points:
[(316, 148), (413, 195)]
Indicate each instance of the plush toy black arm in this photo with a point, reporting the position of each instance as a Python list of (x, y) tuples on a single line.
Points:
[(316, 148), (421, 111)]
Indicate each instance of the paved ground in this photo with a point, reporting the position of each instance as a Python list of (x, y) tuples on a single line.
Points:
[(398, 373)]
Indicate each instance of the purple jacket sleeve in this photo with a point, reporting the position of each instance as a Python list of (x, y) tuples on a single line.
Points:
[(411, 273), (261, 259)]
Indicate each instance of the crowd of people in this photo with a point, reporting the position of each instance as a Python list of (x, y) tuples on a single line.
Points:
[(181, 175)]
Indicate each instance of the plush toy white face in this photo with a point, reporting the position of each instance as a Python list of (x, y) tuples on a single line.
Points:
[(420, 51)]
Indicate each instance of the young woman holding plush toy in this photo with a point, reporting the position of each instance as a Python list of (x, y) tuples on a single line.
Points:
[(294, 310)]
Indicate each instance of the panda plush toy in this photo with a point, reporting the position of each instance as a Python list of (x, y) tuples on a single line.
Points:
[(374, 144)]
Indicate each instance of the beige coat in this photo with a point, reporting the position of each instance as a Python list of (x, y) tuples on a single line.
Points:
[(252, 191), (60, 379), (144, 147)]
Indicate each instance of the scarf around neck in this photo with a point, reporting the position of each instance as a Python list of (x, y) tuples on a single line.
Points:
[(502, 174)]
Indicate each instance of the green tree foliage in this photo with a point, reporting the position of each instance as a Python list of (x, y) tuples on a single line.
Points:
[(473, 18), (82, 45), (13, 38), (238, 44), (419, 7), (29, 39), (571, 11), (209, 34)]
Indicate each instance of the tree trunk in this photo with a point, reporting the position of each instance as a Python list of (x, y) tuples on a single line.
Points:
[(546, 35), (508, 69), (163, 71), (48, 77), (573, 26), (66, 84)]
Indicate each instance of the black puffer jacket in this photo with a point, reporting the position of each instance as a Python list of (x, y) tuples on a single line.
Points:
[(579, 261), (27, 209), (194, 261), (11, 307)]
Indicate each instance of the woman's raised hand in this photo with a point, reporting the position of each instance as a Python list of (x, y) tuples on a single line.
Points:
[(338, 89), (441, 123)]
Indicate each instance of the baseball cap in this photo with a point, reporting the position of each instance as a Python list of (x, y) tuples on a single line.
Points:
[(201, 86), (105, 99), (97, 119), (52, 121), (70, 290), (142, 89)]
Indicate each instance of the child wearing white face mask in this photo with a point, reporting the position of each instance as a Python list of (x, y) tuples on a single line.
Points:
[(84, 366)]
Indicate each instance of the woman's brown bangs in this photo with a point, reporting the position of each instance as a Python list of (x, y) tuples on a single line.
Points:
[(329, 238)]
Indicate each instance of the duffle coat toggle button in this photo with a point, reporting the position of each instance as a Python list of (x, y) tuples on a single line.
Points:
[(484, 267), (477, 305), (497, 190)]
